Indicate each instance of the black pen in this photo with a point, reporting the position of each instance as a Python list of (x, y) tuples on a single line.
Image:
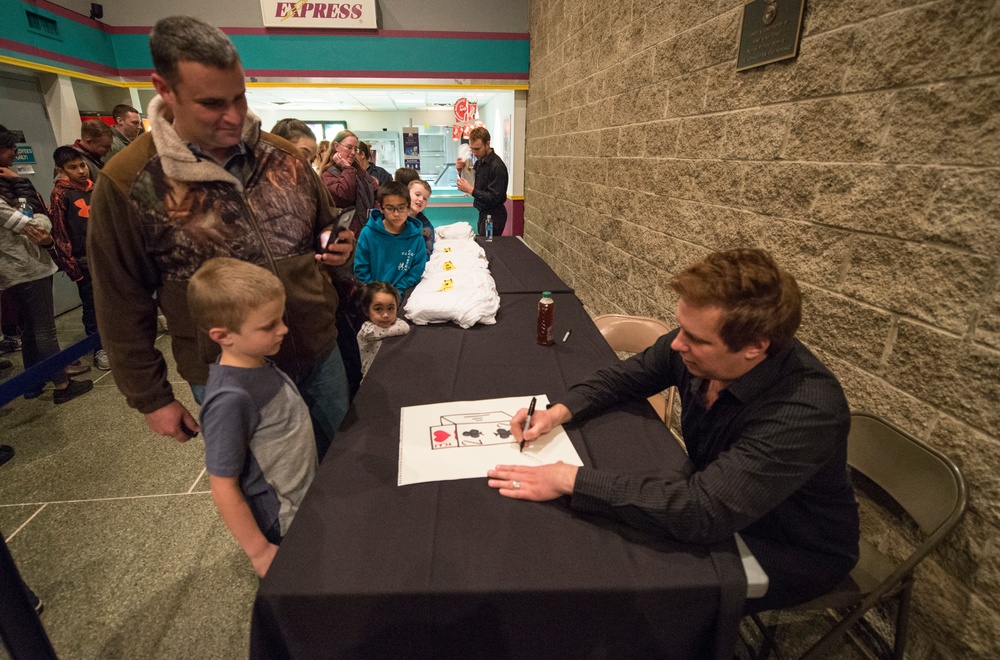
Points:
[(527, 421)]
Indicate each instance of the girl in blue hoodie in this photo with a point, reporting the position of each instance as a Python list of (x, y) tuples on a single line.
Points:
[(391, 247)]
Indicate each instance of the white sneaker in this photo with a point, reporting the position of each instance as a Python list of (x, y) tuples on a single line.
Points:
[(101, 360)]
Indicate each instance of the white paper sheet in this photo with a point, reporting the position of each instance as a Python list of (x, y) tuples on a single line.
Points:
[(464, 439)]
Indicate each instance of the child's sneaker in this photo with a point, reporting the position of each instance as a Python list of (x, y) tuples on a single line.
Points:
[(101, 360), (74, 389), (9, 345)]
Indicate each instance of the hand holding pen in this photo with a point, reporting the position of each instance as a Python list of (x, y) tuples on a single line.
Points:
[(527, 421), (541, 422)]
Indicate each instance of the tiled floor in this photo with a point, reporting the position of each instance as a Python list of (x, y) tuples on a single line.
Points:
[(114, 528)]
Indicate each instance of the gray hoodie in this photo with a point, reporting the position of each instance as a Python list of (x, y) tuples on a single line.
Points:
[(21, 260)]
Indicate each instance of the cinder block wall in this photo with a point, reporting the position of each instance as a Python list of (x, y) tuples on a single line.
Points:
[(870, 166)]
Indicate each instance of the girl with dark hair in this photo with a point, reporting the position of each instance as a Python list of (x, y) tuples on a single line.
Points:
[(380, 301)]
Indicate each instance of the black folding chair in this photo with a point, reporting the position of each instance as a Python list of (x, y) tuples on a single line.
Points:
[(922, 482)]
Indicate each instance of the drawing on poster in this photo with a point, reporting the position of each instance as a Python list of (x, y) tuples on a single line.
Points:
[(464, 439), (472, 430)]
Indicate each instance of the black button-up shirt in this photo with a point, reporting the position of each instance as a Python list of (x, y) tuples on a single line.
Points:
[(769, 456)]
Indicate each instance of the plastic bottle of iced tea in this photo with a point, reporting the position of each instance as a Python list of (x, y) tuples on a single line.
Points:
[(546, 319)]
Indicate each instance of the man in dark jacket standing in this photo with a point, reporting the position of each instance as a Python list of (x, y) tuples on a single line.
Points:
[(490, 191), (206, 182)]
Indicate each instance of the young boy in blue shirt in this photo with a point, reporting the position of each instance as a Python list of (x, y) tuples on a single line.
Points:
[(391, 247), (420, 194), (259, 445)]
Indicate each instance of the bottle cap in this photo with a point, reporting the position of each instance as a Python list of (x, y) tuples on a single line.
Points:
[(547, 294)]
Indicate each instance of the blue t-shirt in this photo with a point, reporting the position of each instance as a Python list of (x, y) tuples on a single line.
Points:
[(257, 427)]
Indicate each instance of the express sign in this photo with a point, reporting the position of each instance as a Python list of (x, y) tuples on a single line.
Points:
[(358, 15)]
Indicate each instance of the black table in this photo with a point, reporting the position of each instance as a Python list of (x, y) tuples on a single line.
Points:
[(452, 569), (517, 269)]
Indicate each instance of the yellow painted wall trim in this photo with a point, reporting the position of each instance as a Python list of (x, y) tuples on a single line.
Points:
[(37, 66)]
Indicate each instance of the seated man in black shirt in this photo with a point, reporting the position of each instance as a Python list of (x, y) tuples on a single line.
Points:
[(764, 422)]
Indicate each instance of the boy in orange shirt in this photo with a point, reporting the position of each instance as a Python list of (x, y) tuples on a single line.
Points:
[(70, 209)]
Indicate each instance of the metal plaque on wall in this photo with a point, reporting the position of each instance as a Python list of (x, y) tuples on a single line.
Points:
[(770, 32)]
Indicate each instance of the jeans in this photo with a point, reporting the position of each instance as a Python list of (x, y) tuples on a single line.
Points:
[(38, 334), (86, 289), (324, 389)]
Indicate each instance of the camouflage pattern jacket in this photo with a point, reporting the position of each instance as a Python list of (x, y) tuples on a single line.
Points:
[(159, 211)]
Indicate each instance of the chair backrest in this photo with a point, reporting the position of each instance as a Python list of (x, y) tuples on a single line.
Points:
[(921, 479), (632, 334)]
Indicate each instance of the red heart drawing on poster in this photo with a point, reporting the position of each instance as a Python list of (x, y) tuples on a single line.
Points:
[(441, 436)]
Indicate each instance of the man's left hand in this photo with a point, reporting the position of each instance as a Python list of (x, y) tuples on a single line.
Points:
[(338, 252), (464, 186), (539, 484)]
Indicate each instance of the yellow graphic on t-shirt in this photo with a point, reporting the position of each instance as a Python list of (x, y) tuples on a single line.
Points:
[(446, 285), (447, 266), (446, 250)]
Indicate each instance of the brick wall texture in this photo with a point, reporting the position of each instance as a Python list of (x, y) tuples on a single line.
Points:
[(869, 166)]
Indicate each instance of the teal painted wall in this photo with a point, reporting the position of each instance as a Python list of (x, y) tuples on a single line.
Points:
[(92, 50), (76, 42)]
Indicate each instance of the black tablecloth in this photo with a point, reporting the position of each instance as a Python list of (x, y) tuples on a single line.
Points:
[(517, 269), (452, 569)]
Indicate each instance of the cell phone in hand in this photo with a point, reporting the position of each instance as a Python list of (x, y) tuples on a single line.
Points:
[(343, 222)]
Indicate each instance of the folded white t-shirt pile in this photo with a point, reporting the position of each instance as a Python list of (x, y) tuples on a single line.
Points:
[(456, 285)]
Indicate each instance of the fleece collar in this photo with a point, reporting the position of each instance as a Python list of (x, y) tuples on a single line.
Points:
[(177, 159)]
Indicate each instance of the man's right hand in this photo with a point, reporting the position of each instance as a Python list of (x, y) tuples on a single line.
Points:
[(542, 422), (167, 421)]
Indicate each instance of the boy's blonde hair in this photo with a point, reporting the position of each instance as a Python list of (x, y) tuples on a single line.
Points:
[(420, 182), (223, 291)]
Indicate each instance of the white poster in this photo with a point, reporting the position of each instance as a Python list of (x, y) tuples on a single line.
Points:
[(356, 15), (464, 439)]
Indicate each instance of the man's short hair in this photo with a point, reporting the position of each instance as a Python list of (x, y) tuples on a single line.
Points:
[(223, 291), (365, 150), (760, 299), (121, 110), (293, 129), (393, 188), (64, 155), (405, 175), (185, 39), (95, 129), (479, 133)]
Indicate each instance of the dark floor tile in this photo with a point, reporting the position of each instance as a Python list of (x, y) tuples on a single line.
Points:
[(12, 517), (94, 446), (148, 578)]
